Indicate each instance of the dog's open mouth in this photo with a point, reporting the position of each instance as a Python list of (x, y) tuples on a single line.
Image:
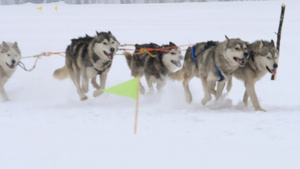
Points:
[(241, 62), (177, 63), (273, 71), (109, 55), (11, 66)]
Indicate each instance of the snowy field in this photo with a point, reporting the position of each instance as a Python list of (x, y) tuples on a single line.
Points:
[(46, 126)]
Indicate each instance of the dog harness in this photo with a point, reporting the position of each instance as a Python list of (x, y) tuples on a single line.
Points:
[(107, 65), (220, 74), (206, 47)]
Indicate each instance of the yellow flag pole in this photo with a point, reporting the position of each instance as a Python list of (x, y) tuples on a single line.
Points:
[(137, 106)]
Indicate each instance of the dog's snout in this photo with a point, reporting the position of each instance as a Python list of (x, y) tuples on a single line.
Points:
[(112, 50), (275, 65), (13, 62), (181, 57), (246, 54)]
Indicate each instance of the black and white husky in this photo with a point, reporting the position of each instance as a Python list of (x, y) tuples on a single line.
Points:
[(156, 64), (86, 58)]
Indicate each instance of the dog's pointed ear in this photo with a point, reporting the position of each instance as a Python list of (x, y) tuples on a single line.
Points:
[(4, 44), (16, 44), (172, 44), (273, 43), (226, 37), (97, 33), (261, 44), (109, 32)]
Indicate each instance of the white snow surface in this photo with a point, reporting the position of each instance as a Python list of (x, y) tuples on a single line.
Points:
[(46, 126)]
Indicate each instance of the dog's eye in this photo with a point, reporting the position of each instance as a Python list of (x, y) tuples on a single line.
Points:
[(105, 43), (8, 54), (269, 57), (237, 48), (173, 53), (112, 42)]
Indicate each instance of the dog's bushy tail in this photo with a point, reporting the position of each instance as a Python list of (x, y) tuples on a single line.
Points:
[(178, 75), (61, 73), (128, 57)]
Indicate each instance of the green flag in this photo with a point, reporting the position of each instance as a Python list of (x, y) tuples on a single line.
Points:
[(128, 89)]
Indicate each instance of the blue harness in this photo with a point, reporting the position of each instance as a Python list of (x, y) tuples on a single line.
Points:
[(219, 72)]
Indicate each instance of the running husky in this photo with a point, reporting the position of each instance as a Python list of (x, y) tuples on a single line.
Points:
[(155, 64), (211, 62), (87, 57), (263, 59), (10, 55)]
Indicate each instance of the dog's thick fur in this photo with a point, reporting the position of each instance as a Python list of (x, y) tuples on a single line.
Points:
[(87, 57), (211, 56), (263, 59), (156, 66), (10, 55)]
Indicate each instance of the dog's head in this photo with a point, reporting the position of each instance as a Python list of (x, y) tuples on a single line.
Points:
[(171, 56), (265, 55), (236, 51), (106, 45), (10, 55)]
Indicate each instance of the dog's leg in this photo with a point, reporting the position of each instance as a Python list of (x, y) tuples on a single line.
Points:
[(207, 90), (103, 78), (149, 83), (245, 98), (142, 89), (160, 84), (85, 82), (185, 83), (94, 82), (251, 92), (3, 94), (75, 76), (229, 84), (220, 89)]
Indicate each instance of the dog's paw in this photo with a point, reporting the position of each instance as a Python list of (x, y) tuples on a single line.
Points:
[(188, 99), (97, 93), (205, 100), (83, 98), (96, 86), (142, 90), (85, 90), (260, 109)]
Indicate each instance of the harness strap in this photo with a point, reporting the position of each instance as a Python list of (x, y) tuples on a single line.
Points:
[(220, 74), (193, 56)]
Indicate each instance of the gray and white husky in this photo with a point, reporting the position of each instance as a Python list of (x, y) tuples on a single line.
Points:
[(10, 55), (156, 64), (86, 58), (263, 59), (211, 62)]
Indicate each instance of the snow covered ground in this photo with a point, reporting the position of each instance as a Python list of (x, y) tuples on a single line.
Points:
[(46, 126)]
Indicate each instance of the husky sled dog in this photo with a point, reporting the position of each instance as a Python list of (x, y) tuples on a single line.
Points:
[(211, 62), (155, 64), (263, 59), (10, 55), (86, 58)]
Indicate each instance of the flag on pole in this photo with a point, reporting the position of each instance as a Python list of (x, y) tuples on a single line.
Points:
[(127, 89), (40, 8)]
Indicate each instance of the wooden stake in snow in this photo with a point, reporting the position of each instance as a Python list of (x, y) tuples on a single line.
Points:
[(279, 32)]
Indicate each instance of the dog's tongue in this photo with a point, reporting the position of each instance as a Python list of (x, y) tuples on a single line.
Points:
[(240, 61), (177, 63), (273, 72)]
